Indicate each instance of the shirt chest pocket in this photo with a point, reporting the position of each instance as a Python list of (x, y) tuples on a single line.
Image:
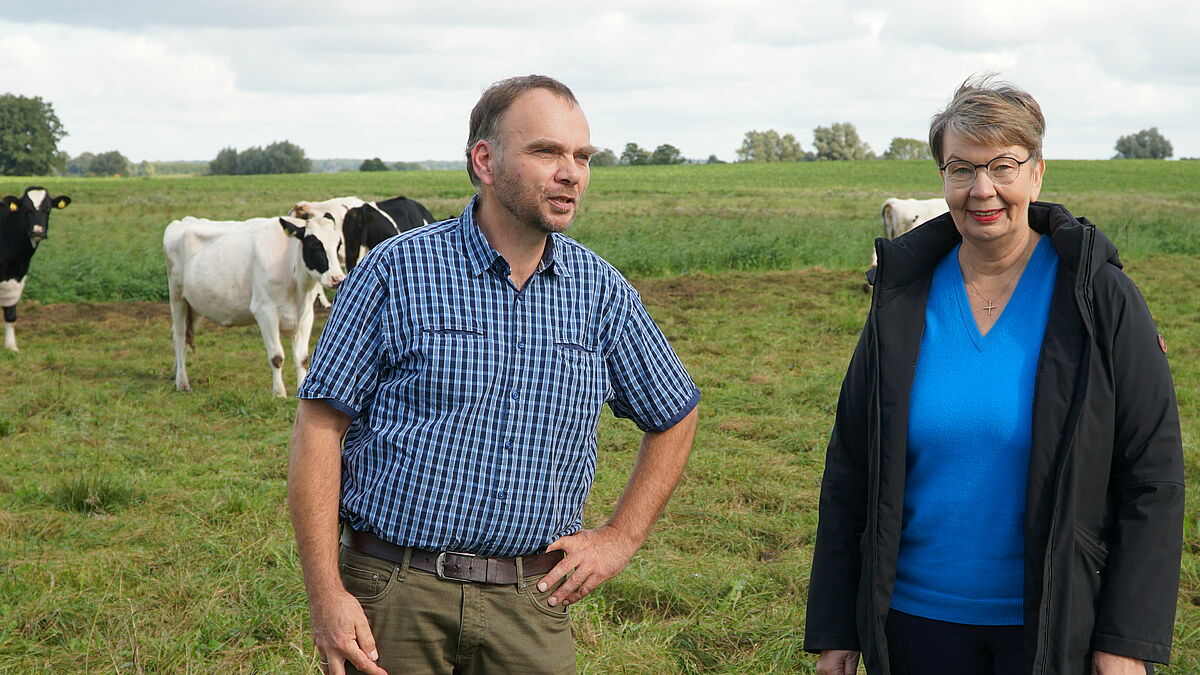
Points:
[(453, 363), (579, 365)]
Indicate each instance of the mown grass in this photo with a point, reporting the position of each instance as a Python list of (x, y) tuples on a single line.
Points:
[(648, 221), (198, 573)]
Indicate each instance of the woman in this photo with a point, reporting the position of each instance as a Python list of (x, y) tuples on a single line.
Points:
[(1003, 490)]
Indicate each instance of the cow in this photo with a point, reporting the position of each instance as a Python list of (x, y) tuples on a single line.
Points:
[(368, 225), (901, 215), (336, 208), (24, 223), (263, 270)]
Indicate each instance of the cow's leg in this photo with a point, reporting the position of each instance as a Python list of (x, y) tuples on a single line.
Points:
[(10, 335), (300, 338), (268, 322), (322, 300), (181, 317)]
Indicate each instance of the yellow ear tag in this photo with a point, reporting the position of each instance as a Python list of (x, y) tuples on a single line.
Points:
[(13, 206), (61, 204)]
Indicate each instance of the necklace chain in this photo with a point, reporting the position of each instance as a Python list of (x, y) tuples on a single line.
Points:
[(991, 304)]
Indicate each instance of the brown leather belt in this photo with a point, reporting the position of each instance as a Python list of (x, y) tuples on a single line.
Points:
[(451, 565)]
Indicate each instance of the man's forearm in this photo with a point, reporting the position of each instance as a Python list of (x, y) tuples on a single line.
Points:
[(314, 484), (656, 472)]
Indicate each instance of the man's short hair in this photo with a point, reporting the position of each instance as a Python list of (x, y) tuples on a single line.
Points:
[(991, 113), (486, 115)]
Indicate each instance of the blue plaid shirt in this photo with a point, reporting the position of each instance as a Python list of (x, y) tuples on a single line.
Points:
[(474, 404)]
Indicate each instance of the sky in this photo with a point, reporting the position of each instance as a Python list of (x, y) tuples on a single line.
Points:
[(179, 80)]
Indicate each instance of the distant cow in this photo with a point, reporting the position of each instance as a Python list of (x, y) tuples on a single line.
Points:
[(24, 223), (263, 270), (902, 215), (368, 225)]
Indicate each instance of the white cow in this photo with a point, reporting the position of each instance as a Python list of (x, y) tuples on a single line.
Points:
[(902, 215), (262, 270), (336, 208)]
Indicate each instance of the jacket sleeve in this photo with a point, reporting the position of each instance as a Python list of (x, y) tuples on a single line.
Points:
[(833, 584), (1136, 610)]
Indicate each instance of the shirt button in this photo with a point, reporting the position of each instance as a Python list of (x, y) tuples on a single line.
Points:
[(508, 445), (521, 345), (502, 495), (515, 394)]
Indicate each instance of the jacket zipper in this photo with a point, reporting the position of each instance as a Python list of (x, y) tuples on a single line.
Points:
[(1085, 307)]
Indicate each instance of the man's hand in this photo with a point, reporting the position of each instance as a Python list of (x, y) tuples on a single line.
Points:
[(1104, 663), (838, 662), (341, 632), (593, 557)]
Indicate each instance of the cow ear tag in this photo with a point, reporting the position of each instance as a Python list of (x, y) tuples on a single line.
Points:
[(13, 206), (62, 204)]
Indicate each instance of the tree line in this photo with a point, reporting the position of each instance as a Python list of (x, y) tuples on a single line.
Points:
[(30, 132)]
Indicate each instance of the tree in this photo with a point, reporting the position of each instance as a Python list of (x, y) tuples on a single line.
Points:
[(634, 155), (278, 157), (81, 165), (769, 146), (29, 136), (373, 164), (667, 154), (713, 159), (840, 141), (225, 164), (111, 163), (1145, 144), (407, 166), (604, 157), (907, 148)]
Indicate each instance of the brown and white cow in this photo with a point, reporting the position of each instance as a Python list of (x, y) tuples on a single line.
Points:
[(24, 223), (263, 270)]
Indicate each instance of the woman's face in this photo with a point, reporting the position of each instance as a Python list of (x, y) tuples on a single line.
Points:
[(986, 211)]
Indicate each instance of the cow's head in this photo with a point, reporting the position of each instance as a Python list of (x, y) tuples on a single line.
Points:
[(318, 247), (33, 211)]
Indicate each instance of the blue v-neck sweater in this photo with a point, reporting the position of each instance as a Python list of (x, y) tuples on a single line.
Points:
[(969, 434)]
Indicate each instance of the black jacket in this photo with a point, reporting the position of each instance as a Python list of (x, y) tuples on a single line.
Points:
[(1104, 501)]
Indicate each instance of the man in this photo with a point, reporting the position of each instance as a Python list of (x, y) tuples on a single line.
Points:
[(466, 364)]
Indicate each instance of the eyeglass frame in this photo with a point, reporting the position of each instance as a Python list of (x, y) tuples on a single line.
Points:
[(977, 167)]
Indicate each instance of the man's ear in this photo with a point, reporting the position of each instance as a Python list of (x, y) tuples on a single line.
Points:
[(483, 159), (292, 229)]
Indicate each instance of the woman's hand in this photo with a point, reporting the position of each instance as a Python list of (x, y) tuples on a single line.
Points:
[(838, 662), (1104, 663)]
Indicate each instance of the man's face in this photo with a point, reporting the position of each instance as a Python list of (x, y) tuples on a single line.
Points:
[(540, 170)]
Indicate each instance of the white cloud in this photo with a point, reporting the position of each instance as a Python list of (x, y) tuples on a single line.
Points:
[(397, 79)]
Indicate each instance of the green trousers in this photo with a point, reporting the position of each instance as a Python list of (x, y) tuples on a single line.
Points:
[(423, 624)]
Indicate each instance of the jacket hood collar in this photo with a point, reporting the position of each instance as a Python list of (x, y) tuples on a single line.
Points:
[(915, 254)]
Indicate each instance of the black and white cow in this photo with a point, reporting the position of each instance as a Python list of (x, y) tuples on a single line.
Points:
[(24, 223), (364, 227), (263, 270)]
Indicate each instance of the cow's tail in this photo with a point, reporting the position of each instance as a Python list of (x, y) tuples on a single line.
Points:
[(190, 332)]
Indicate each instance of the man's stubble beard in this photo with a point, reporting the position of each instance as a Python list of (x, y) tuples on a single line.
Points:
[(525, 203)]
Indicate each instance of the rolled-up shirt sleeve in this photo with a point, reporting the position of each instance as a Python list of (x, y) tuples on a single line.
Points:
[(345, 365), (650, 385)]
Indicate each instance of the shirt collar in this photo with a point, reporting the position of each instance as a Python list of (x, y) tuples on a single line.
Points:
[(482, 256)]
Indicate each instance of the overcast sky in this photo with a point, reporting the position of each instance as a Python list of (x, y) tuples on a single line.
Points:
[(175, 79)]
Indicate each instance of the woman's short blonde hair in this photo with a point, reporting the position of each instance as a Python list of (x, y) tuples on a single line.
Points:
[(991, 113)]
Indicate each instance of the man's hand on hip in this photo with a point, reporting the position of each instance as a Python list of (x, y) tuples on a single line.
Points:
[(593, 557), (341, 632)]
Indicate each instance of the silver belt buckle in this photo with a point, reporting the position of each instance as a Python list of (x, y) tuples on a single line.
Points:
[(439, 567)]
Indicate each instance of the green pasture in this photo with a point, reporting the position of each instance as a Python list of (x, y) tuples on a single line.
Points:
[(648, 221), (145, 531)]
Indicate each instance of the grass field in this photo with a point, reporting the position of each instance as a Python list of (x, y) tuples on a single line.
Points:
[(145, 531)]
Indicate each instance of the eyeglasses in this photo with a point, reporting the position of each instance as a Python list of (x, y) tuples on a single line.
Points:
[(1002, 171)]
